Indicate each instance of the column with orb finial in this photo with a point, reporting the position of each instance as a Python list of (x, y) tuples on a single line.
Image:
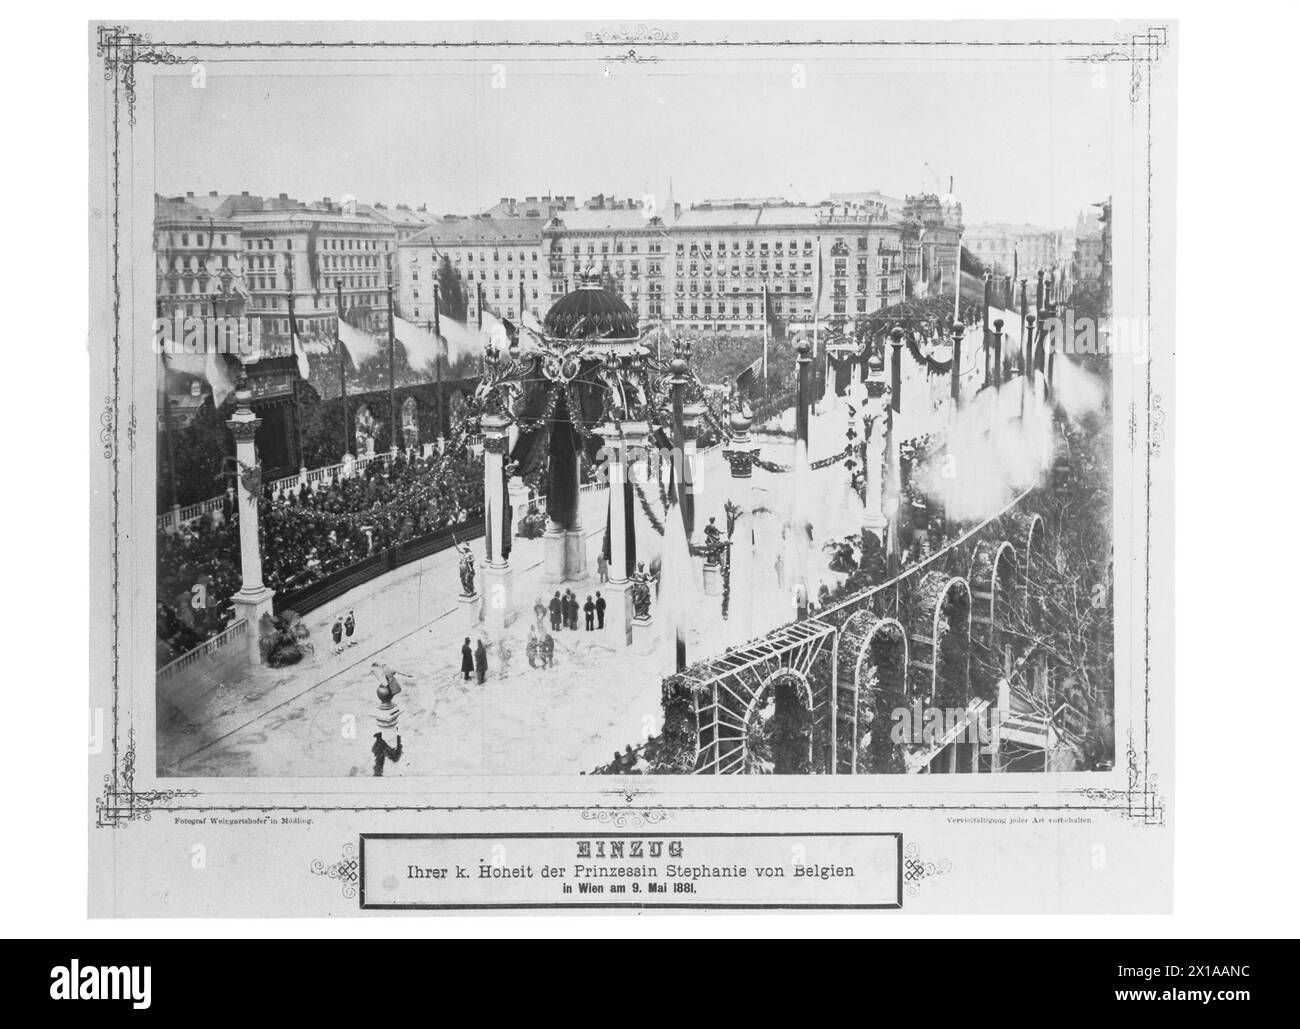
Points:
[(254, 599), (498, 603)]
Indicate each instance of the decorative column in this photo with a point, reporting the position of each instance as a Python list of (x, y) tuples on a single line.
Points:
[(253, 599), (692, 416), (875, 461), (498, 603), (636, 436), (618, 610), (741, 458), (958, 333), (997, 351), (893, 422)]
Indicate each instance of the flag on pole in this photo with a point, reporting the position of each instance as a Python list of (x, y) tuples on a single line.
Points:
[(299, 351), (360, 345)]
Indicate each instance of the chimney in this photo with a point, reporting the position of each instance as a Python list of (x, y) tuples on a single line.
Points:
[(284, 196), (189, 194), (212, 192)]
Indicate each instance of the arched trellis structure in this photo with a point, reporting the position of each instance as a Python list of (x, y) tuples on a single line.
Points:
[(1031, 537), (778, 721), (724, 690), (993, 580), (871, 660), (939, 631)]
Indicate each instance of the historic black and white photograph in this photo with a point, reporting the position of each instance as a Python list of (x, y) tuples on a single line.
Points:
[(614, 414)]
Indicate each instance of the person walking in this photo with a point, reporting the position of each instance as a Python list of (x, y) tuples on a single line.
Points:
[(555, 612), (466, 659), (480, 661), (602, 567), (349, 626), (336, 634), (589, 609), (548, 651), (600, 611)]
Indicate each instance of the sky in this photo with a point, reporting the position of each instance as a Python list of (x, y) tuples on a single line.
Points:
[(1023, 141)]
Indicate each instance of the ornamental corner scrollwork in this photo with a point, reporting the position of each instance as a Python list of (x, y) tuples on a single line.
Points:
[(120, 803), (1157, 419), (916, 870), (346, 870), (122, 49), (626, 817), (626, 33)]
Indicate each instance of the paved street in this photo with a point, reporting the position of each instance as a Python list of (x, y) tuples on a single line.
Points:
[(317, 718)]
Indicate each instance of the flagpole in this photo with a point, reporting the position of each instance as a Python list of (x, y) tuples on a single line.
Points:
[(956, 293), (297, 380), (767, 332), (343, 368), (392, 373), (437, 368), (168, 428)]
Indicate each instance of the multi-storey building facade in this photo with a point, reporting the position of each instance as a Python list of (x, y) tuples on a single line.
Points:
[(702, 269), (1004, 248), (198, 260), (307, 249), (495, 258)]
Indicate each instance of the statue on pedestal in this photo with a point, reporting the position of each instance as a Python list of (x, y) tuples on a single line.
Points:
[(466, 569), (640, 592), (712, 542)]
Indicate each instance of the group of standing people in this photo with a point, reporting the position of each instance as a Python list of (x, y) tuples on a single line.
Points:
[(473, 660), (564, 610)]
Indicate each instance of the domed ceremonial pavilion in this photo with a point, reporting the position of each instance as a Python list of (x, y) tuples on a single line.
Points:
[(587, 382)]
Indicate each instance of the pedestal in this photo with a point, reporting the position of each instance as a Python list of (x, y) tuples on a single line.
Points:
[(712, 580), (643, 635), (575, 554), (554, 546), (498, 599), (472, 608), (618, 612), (252, 606)]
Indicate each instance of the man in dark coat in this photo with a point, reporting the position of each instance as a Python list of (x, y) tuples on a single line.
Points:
[(555, 612), (600, 611), (573, 610), (466, 659), (589, 609), (480, 661)]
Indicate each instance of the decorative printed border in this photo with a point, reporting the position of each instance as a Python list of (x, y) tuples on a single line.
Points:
[(121, 49)]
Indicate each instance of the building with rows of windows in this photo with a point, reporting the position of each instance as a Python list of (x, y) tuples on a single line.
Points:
[(198, 260), (497, 259)]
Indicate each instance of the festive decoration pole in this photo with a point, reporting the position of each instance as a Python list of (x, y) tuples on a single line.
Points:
[(343, 366), (893, 501), (297, 379), (437, 369), (392, 373), (618, 602), (740, 459), (254, 599), (498, 604)]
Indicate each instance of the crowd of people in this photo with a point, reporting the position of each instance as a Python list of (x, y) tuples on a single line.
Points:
[(306, 535)]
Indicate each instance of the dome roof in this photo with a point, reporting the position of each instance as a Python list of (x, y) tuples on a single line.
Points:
[(591, 312)]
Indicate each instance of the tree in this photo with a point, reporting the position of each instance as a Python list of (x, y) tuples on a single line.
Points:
[(1067, 626)]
